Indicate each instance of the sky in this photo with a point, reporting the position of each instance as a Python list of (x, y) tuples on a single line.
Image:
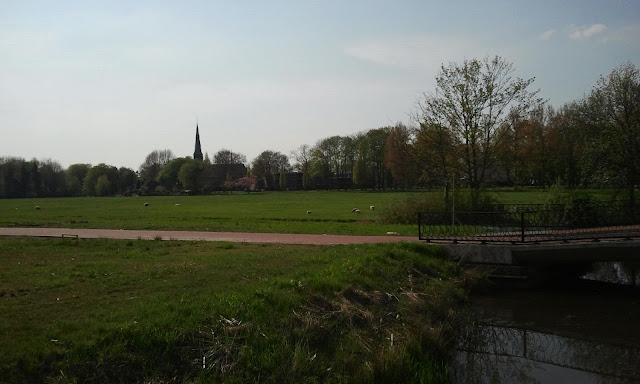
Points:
[(110, 81)]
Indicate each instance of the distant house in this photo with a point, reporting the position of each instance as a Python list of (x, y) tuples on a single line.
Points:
[(214, 176)]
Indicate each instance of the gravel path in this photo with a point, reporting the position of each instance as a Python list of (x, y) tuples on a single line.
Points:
[(237, 237)]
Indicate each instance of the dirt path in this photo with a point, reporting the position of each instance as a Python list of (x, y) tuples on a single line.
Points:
[(238, 237)]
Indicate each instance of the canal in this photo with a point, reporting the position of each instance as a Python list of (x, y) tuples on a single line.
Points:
[(584, 331)]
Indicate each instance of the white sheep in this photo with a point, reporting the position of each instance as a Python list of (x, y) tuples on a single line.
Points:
[(355, 209), (177, 205), (372, 208), (37, 207), (308, 212), (146, 204)]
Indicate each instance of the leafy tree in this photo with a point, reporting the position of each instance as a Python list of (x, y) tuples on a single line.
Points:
[(103, 186), (398, 156), (89, 185), (472, 101), (33, 179), (369, 168), (189, 174), (168, 175), (152, 165), (14, 177), (613, 112), (74, 177), (128, 180), (435, 152), (282, 180), (52, 178), (566, 144), (362, 176)]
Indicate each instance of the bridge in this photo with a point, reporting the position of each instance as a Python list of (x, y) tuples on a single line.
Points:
[(542, 241)]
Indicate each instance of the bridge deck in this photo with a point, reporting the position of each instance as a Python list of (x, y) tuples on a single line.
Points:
[(530, 236)]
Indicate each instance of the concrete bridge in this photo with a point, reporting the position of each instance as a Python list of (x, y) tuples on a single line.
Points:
[(541, 262)]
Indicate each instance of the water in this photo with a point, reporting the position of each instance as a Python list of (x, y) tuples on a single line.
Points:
[(588, 332)]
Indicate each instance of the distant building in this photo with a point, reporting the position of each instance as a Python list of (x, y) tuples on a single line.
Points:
[(215, 175), (197, 154)]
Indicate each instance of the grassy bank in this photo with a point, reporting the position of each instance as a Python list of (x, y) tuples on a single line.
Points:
[(163, 311)]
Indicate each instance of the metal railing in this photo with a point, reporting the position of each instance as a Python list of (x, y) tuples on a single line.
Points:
[(532, 223)]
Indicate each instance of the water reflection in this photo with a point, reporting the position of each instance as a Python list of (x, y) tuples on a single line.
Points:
[(616, 273), (581, 335)]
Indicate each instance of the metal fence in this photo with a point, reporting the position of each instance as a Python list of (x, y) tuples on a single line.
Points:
[(530, 223)]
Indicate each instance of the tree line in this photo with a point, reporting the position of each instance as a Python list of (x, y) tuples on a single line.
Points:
[(479, 127)]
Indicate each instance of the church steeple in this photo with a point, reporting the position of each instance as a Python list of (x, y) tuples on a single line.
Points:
[(198, 152)]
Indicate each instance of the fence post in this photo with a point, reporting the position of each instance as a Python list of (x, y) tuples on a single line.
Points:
[(522, 225)]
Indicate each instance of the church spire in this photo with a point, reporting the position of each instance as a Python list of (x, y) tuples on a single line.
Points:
[(198, 152)]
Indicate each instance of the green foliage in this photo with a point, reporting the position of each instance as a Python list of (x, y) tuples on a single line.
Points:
[(74, 177), (465, 200), (613, 122), (189, 174), (109, 182), (202, 312), (168, 175), (103, 186)]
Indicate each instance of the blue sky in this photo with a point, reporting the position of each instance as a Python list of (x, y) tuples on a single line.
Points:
[(110, 81)]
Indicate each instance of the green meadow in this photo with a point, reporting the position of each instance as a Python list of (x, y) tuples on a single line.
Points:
[(103, 311), (168, 311), (277, 212), (284, 212)]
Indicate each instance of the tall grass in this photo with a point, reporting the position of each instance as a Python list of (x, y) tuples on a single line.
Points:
[(147, 311)]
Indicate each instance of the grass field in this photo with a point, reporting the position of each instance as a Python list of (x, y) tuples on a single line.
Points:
[(165, 311), (283, 212)]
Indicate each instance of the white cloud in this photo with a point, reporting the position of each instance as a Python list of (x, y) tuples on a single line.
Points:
[(546, 35), (421, 52), (585, 32)]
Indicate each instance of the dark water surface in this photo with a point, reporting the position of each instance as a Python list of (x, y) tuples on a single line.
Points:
[(587, 332)]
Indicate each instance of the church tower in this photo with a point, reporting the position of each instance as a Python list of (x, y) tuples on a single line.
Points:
[(197, 155)]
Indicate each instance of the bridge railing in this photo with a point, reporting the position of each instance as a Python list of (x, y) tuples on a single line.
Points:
[(532, 223)]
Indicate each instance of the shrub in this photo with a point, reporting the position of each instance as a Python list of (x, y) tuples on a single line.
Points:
[(406, 212), (573, 208)]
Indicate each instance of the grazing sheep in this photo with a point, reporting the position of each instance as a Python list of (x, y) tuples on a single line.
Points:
[(308, 212), (37, 207), (146, 204), (393, 233), (372, 208), (355, 209), (177, 205)]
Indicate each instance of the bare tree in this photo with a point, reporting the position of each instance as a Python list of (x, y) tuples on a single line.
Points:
[(302, 157), (472, 101), (267, 164), (226, 156), (154, 162)]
